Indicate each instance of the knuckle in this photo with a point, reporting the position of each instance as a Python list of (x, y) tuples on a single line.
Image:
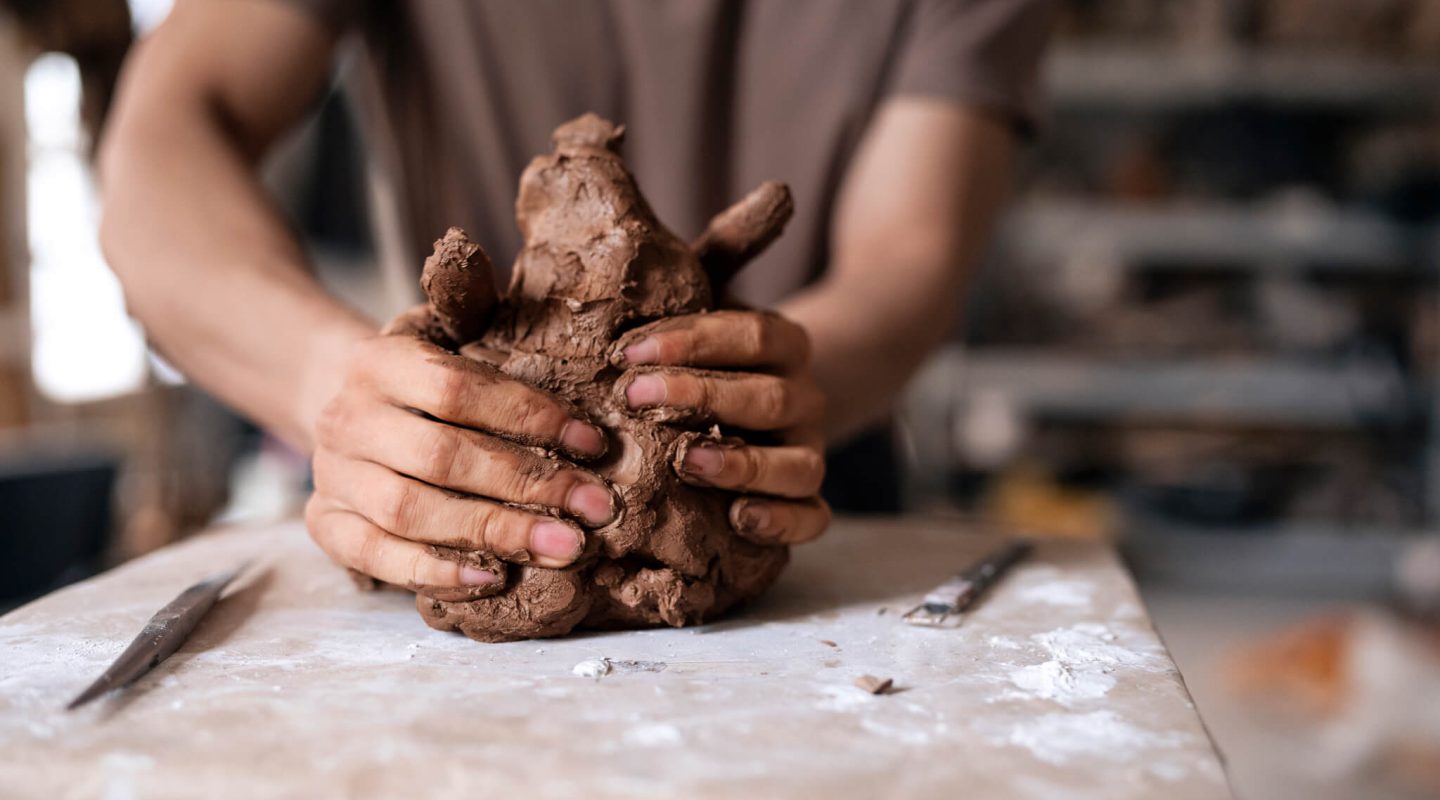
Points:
[(452, 392), (672, 346), (366, 553), (366, 350), (699, 391), (759, 333), (329, 476), (399, 506), (822, 518), (532, 485), (314, 520), (813, 465), (440, 451), (419, 570), (498, 532), (533, 415), (752, 468), (334, 422), (777, 402)]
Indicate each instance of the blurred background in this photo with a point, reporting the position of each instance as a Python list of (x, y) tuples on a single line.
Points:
[(1207, 331)]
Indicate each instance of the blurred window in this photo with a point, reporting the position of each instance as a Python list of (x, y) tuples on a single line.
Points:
[(86, 347)]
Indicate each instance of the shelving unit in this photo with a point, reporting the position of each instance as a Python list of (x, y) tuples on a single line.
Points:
[(1290, 393), (1244, 236), (1154, 79), (1150, 229)]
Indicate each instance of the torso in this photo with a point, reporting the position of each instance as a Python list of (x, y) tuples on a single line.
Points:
[(715, 96)]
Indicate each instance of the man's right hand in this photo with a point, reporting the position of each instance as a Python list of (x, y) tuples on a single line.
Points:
[(425, 447)]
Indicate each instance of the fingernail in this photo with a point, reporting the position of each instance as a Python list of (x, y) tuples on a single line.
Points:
[(754, 517), (474, 576), (645, 351), (594, 504), (555, 540), (645, 390), (582, 437), (704, 460)]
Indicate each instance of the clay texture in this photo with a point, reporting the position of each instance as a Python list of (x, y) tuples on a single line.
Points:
[(596, 265)]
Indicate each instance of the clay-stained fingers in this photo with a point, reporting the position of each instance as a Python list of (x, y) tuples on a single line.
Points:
[(751, 339), (773, 521), (355, 542), (422, 513), (414, 374), (747, 400), (791, 471), (466, 461)]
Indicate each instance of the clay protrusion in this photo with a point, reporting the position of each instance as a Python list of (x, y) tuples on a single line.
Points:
[(742, 231), (588, 132), (541, 603), (460, 283)]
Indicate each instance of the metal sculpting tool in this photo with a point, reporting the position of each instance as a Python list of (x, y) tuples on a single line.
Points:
[(955, 596), (162, 635)]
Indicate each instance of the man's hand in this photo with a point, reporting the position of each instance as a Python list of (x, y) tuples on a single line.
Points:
[(424, 447), (761, 382)]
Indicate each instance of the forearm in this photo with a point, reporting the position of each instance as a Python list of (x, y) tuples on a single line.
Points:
[(868, 338), (913, 217), (211, 271)]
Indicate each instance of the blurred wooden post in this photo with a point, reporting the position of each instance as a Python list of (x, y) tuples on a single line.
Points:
[(15, 384)]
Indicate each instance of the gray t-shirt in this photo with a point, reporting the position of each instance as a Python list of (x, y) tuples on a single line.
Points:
[(456, 96)]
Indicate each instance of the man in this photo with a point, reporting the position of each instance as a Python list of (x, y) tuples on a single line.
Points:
[(892, 120)]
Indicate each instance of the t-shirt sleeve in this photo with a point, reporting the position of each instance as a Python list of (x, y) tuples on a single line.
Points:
[(984, 53), (338, 15)]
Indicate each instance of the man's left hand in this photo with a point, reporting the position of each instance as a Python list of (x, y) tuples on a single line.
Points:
[(748, 370)]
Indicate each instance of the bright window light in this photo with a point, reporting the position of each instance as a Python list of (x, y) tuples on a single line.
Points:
[(86, 347), (148, 13)]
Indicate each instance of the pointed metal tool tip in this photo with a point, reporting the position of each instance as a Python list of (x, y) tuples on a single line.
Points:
[(86, 696), (166, 631)]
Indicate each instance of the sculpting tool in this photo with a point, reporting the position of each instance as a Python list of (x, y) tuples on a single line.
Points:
[(162, 635), (957, 595)]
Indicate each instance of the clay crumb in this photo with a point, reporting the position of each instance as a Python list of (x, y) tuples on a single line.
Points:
[(874, 685), (882, 611), (829, 643), (595, 668)]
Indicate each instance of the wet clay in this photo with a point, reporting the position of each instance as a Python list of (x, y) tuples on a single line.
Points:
[(595, 268)]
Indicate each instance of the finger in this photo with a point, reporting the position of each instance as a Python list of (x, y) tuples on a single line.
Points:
[(780, 471), (464, 460), (716, 339), (744, 399), (422, 513), (417, 322), (475, 394), (767, 521), (355, 542)]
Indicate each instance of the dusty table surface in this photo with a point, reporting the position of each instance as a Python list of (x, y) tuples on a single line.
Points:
[(299, 685)]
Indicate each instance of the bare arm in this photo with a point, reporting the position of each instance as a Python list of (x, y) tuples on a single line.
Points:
[(225, 292), (912, 217), (207, 264)]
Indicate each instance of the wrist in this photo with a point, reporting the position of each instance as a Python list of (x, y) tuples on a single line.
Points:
[(327, 354)]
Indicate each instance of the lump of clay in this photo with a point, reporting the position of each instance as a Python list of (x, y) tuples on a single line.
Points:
[(596, 264)]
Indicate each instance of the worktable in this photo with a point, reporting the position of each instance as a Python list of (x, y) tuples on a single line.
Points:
[(298, 685)]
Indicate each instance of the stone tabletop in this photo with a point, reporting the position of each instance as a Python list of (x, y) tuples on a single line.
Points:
[(298, 685)]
